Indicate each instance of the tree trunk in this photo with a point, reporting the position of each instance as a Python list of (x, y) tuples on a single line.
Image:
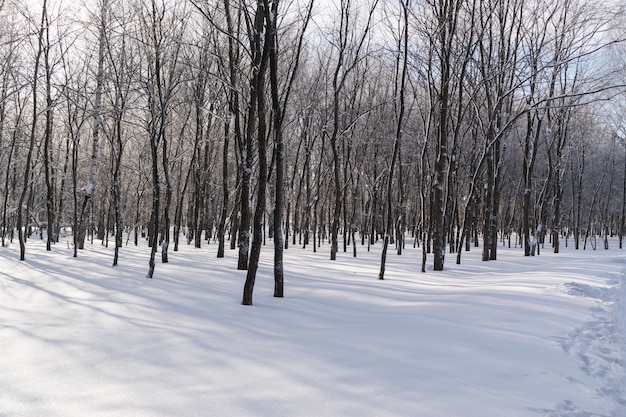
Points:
[(447, 15), (48, 164), (9, 164), (279, 152), (400, 107), (119, 223), (168, 194), (33, 132), (95, 133), (260, 55), (156, 203), (222, 224)]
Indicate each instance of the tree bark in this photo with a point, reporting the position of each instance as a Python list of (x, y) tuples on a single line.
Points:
[(260, 51), (400, 105), (85, 211), (33, 132)]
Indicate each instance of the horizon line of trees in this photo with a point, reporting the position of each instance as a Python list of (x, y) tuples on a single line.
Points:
[(458, 122)]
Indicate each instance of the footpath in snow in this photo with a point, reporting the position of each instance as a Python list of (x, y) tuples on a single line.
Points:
[(542, 336)]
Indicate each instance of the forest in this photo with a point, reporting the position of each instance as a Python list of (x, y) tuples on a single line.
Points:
[(452, 125)]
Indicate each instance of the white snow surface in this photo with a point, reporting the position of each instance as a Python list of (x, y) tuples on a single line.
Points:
[(520, 336)]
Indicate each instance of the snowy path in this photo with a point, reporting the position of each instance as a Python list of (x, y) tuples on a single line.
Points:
[(517, 337), (599, 344)]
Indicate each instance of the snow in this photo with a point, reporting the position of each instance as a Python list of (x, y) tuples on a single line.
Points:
[(89, 188), (541, 336)]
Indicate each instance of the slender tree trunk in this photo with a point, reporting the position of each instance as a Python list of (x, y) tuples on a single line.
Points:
[(119, 225), (47, 139), (334, 226), (278, 108), (156, 203), (530, 152), (222, 224), (488, 206), (168, 195), (178, 212), (622, 228), (495, 201), (447, 15), (279, 152), (349, 55), (33, 131), (398, 137), (85, 211), (260, 52), (246, 174), (14, 135)]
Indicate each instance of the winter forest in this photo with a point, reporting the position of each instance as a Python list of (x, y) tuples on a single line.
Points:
[(449, 125)]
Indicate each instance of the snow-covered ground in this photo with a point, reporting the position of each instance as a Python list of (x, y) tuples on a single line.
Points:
[(540, 336)]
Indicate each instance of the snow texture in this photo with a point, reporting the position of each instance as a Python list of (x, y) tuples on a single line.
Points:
[(89, 188), (541, 336)]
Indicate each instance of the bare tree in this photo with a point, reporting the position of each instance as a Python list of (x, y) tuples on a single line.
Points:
[(446, 14), (10, 91), (350, 48), (234, 58), (498, 45), (161, 79), (33, 131), (401, 79), (259, 47), (278, 112), (96, 128), (120, 60)]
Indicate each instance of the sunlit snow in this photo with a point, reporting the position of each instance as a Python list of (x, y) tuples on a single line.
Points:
[(535, 336)]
